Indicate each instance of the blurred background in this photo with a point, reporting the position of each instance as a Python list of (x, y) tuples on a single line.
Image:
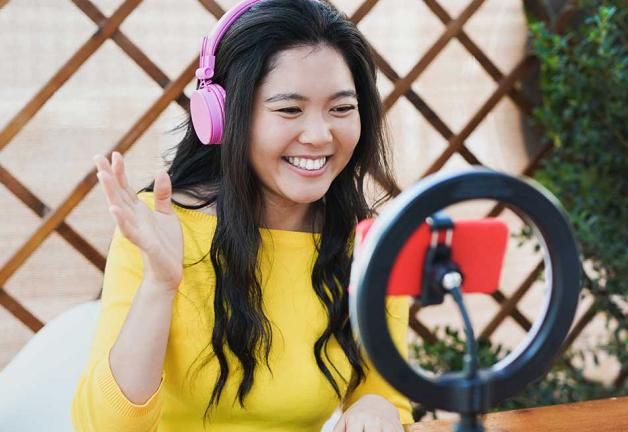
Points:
[(460, 81)]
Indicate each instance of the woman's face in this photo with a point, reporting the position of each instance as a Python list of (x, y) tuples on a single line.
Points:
[(305, 126)]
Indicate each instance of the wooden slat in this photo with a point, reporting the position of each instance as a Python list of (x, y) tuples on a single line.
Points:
[(67, 70), (418, 327), (456, 141), (41, 209), (584, 320), (516, 315), (55, 218), (537, 9), (522, 102), (22, 193), (509, 305), (19, 311), (618, 384), (567, 13), (429, 114), (363, 10), (141, 59), (214, 8), (452, 28), (528, 171)]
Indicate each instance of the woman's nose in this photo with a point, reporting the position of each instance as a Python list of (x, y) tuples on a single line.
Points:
[(316, 131)]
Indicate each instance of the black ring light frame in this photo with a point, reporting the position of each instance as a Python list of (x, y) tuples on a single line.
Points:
[(372, 266)]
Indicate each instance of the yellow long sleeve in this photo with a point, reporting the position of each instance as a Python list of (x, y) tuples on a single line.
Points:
[(99, 404), (294, 397)]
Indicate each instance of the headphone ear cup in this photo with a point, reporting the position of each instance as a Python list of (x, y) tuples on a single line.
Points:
[(207, 107)]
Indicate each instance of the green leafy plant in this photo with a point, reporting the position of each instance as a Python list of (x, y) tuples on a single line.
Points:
[(584, 114), (584, 82)]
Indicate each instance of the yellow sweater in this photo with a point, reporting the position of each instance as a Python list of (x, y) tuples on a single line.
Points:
[(296, 398)]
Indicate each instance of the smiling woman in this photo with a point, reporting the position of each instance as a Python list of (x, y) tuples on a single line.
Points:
[(238, 315)]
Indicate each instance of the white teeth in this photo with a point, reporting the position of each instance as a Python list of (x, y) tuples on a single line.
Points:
[(307, 164)]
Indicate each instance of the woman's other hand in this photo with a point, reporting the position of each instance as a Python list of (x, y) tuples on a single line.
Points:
[(370, 413), (156, 233)]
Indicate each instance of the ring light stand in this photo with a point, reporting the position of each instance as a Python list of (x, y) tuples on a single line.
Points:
[(472, 391)]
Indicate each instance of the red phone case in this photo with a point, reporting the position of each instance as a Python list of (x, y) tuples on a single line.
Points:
[(478, 247)]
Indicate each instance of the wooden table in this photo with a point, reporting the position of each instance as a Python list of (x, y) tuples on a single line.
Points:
[(607, 415)]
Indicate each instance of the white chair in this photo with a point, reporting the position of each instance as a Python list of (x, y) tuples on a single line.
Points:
[(37, 386)]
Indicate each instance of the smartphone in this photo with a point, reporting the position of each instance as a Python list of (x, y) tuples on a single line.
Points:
[(478, 247)]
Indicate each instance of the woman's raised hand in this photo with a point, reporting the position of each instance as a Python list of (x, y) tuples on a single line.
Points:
[(156, 233)]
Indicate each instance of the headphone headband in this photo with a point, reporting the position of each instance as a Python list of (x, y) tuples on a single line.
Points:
[(208, 46)]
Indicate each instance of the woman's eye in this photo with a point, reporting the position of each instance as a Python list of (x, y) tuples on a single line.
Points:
[(345, 108), (290, 110)]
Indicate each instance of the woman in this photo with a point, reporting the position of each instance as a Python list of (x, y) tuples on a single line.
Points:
[(224, 297)]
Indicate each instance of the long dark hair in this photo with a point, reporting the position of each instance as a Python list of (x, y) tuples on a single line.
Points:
[(220, 174)]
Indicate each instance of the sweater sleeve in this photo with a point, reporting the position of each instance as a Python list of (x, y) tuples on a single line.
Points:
[(99, 404), (398, 309)]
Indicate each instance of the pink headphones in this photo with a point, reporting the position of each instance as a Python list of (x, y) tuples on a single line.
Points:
[(207, 104)]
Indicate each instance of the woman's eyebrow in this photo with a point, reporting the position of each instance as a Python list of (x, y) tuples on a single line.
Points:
[(296, 96)]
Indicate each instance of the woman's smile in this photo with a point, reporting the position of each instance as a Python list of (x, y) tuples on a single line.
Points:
[(307, 166)]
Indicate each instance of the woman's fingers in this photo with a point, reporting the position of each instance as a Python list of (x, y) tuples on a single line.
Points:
[(102, 164), (107, 179), (110, 187), (126, 224), (117, 165), (163, 193)]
